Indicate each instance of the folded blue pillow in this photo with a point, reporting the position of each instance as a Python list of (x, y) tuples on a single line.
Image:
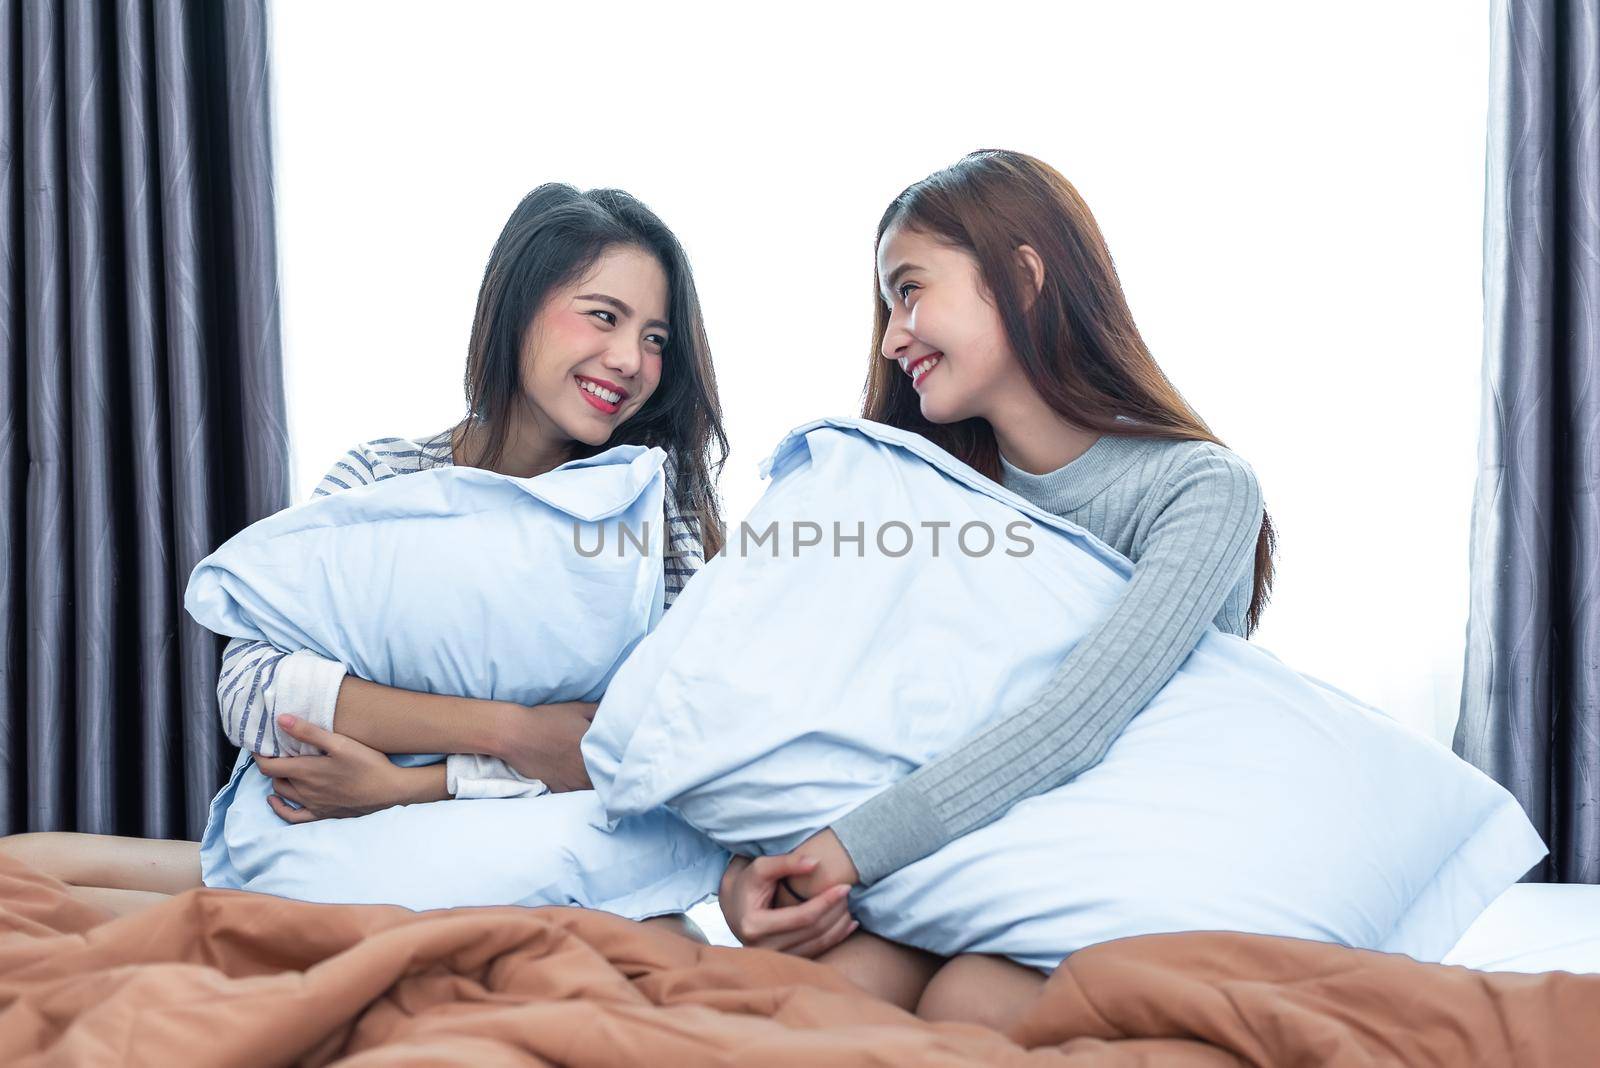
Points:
[(458, 581), (802, 674)]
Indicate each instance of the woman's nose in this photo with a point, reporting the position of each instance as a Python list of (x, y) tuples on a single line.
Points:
[(895, 340), (624, 360)]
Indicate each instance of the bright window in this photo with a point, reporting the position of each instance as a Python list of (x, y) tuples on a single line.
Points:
[(1293, 195)]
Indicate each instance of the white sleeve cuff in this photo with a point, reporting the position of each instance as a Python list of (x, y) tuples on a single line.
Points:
[(306, 685), (475, 775)]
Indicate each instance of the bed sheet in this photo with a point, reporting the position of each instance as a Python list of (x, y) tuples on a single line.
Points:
[(1535, 927), (1532, 927)]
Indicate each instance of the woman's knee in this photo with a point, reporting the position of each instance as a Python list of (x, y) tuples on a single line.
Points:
[(976, 988), (885, 969), (679, 923)]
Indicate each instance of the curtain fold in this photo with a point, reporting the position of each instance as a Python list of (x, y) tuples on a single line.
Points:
[(1530, 703), (142, 415)]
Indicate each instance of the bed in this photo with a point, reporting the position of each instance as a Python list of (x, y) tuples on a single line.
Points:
[(1535, 927), (231, 977), (1532, 927)]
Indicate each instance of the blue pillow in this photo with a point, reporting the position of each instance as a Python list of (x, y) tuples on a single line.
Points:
[(460, 581), (455, 579), (553, 849), (794, 681)]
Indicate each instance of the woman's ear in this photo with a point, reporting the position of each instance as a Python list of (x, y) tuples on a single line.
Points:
[(1032, 267)]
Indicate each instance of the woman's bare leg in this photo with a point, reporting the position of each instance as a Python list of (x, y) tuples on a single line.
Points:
[(897, 974), (981, 989), (151, 865), (119, 902), (129, 874)]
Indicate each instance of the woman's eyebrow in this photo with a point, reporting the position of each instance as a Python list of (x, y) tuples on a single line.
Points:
[(620, 306)]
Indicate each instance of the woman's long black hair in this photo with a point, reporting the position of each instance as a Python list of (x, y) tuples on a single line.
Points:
[(553, 238)]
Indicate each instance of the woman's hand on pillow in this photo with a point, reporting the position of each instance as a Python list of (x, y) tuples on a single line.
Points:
[(348, 779), (760, 916), (541, 742)]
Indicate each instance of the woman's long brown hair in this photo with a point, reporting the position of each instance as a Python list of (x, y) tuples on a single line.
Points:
[(1077, 343)]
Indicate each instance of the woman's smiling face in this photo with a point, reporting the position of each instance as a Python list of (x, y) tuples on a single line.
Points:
[(943, 329), (592, 355)]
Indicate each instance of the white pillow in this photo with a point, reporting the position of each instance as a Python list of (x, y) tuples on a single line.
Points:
[(553, 849), (455, 579), (460, 581), (783, 692)]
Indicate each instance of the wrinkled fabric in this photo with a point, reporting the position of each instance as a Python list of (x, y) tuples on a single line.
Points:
[(215, 977), (1244, 797)]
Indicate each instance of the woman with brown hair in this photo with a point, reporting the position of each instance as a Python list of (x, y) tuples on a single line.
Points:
[(1002, 335)]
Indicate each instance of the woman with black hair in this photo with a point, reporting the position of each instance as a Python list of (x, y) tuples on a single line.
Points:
[(587, 334)]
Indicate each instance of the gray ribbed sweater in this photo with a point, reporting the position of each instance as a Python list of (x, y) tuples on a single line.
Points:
[(1187, 513)]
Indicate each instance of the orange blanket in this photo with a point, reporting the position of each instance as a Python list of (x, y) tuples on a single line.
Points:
[(231, 978)]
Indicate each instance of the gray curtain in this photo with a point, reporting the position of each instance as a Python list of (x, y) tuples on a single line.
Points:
[(1530, 705), (141, 398)]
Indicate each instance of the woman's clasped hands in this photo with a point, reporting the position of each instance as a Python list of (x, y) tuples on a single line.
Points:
[(794, 902)]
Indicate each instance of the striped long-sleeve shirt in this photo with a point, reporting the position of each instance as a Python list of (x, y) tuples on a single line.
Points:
[(259, 681), (1188, 514)]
